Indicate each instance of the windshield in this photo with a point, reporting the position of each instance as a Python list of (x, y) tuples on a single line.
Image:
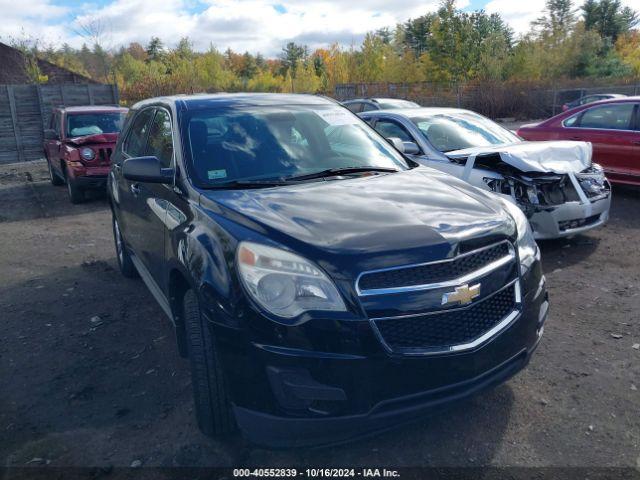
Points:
[(460, 130), (81, 124), (276, 142), (388, 104)]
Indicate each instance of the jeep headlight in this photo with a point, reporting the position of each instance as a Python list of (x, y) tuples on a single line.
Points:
[(87, 153), (527, 247), (283, 283)]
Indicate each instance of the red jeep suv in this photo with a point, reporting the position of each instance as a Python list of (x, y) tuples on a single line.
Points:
[(78, 146)]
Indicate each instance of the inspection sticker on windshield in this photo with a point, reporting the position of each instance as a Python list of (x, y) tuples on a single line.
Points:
[(216, 174), (337, 117)]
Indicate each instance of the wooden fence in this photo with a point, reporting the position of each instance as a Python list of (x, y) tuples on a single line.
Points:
[(25, 111)]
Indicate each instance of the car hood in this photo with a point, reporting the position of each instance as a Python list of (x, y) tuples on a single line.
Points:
[(377, 221), (544, 157), (92, 139)]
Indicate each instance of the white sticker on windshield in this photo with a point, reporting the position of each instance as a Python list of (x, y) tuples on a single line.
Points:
[(216, 174), (337, 117)]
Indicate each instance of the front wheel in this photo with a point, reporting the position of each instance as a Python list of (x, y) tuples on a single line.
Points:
[(211, 397), (53, 177), (76, 195), (127, 268)]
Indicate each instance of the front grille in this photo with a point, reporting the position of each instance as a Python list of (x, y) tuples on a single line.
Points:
[(105, 154), (433, 272), (440, 331)]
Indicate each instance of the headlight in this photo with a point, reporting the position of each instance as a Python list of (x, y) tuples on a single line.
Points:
[(285, 284), (527, 246), (87, 153)]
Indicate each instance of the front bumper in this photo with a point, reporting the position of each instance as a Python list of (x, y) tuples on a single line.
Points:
[(89, 176), (570, 219), (285, 397)]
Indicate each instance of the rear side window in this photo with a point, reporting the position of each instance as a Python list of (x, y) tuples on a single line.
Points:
[(160, 143), (389, 129), (615, 116), (354, 107), (137, 138)]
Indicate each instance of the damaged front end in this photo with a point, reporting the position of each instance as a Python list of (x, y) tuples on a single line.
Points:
[(556, 204)]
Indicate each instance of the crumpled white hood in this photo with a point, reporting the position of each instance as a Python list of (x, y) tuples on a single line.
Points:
[(552, 157)]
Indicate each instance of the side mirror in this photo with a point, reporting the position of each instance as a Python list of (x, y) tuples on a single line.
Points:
[(397, 143), (411, 148), (50, 134), (146, 170)]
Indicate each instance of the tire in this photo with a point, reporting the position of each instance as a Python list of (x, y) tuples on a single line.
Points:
[(53, 177), (210, 394), (76, 195), (127, 268)]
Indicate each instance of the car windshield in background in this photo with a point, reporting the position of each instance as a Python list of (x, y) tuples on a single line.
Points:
[(389, 104), (457, 131), (82, 124), (280, 142)]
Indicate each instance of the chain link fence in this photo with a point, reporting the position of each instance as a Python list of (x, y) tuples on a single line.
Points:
[(518, 100)]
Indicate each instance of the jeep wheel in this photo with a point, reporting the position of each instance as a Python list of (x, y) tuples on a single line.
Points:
[(213, 409), (76, 195), (53, 177), (127, 268)]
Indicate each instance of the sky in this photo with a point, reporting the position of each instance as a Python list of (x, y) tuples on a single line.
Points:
[(243, 25)]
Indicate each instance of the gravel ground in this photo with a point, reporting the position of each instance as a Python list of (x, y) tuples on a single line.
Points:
[(90, 375)]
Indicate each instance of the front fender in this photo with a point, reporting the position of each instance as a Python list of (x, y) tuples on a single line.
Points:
[(203, 253)]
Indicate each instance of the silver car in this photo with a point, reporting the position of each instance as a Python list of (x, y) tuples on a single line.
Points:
[(555, 183)]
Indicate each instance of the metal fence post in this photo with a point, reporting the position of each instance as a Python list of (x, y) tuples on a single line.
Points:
[(14, 120)]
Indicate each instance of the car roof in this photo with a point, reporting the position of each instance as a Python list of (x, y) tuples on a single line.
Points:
[(622, 99), (414, 112), (377, 100), (92, 108), (221, 100), (610, 95)]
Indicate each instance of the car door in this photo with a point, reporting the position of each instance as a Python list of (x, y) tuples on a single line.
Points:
[(153, 199), (134, 145), (54, 146), (610, 129)]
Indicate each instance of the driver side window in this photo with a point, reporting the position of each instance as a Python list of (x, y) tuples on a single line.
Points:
[(136, 141)]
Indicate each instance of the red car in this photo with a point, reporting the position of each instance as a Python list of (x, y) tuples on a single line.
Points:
[(78, 146), (613, 128)]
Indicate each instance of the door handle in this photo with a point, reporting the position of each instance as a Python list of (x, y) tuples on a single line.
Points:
[(637, 142), (135, 189), (575, 138)]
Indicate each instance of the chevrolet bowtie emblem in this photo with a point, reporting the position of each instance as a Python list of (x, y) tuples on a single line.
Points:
[(463, 295)]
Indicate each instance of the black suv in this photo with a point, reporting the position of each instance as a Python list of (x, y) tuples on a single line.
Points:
[(321, 285)]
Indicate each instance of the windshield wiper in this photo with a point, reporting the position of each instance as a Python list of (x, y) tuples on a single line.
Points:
[(331, 172)]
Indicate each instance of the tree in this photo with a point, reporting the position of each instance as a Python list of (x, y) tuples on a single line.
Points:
[(558, 20), (291, 56), (249, 67), (609, 18), (155, 50), (628, 50)]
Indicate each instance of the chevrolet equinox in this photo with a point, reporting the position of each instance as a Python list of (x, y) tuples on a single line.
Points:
[(322, 285)]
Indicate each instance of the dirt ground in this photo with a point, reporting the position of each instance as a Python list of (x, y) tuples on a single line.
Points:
[(90, 375)]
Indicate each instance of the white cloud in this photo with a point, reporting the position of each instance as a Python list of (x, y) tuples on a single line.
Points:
[(32, 18), (520, 14), (253, 25)]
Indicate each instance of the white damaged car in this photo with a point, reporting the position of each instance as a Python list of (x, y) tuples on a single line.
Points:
[(554, 183)]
